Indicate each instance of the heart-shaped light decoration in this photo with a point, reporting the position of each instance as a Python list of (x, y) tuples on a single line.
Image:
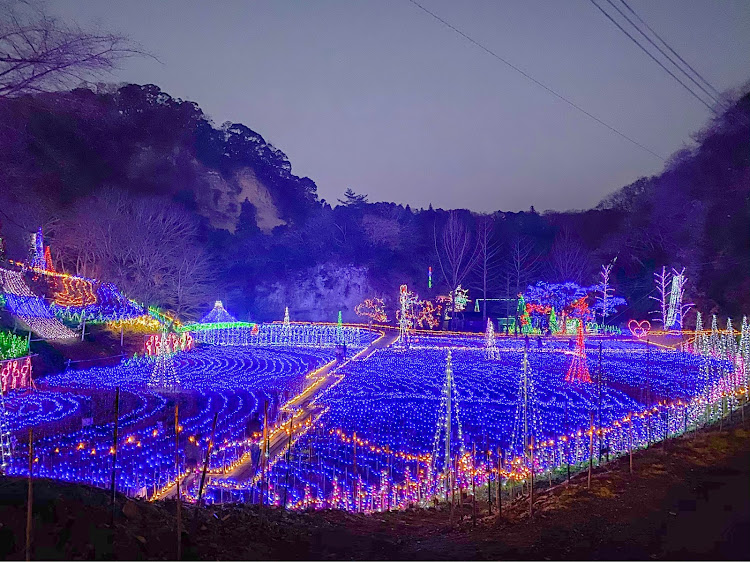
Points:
[(639, 329)]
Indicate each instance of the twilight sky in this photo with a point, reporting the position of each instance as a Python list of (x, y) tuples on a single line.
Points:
[(378, 96)]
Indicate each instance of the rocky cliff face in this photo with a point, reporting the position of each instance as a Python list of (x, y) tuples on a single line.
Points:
[(319, 294), (220, 199)]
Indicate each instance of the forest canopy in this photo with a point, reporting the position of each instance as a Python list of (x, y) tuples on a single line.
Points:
[(142, 189)]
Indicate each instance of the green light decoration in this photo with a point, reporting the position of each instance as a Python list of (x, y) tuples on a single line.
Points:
[(12, 346), (339, 329), (523, 315), (553, 327), (198, 327)]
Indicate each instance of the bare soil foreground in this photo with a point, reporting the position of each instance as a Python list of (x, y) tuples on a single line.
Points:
[(688, 500)]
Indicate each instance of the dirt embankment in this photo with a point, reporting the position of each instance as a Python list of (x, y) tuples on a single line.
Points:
[(688, 500)]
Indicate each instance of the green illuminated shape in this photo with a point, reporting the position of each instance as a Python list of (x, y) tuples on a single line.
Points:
[(554, 328), (12, 346), (197, 327)]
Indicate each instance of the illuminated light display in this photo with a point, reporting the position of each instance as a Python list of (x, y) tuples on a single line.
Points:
[(218, 314), (387, 404), (390, 419), (77, 292), (6, 448), (429, 277), (15, 374), (38, 259), (578, 370), (428, 315), (48, 259), (490, 343), (142, 323), (374, 309), (639, 329), (523, 314), (698, 346), (677, 309), (405, 315), (164, 376), (662, 281), (31, 309), (462, 299), (286, 330), (730, 342), (553, 327), (526, 421), (743, 348), (448, 410), (233, 381), (172, 343), (12, 346)]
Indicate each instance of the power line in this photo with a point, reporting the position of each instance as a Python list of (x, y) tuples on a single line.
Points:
[(534, 80), (666, 55), (640, 19), (645, 50)]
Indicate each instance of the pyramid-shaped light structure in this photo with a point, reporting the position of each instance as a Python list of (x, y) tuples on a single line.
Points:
[(217, 315)]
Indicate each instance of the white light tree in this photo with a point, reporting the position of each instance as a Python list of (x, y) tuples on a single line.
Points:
[(605, 290), (677, 308), (662, 283), (670, 286), (490, 344)]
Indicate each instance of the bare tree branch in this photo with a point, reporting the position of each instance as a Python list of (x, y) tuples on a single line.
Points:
[(40, 53)]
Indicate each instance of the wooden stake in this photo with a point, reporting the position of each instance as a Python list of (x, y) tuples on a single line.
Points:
[(177, 472), (630, 441), (264, 453), (473, 484), (30, 497), (499, 481), (531, 482), (205, 462), (114, 451), (288, 466), (591, 448)]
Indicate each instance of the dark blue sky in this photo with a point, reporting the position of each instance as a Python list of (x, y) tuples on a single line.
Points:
[(378, 96)]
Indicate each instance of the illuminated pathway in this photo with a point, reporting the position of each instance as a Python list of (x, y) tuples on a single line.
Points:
[(305, 413), (304, 407)]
